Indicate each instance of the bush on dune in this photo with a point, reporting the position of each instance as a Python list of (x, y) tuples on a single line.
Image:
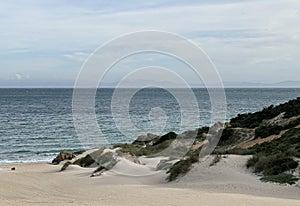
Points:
[(183, 166), (281, 178), (272, 165), (85, 161), (252, 120)]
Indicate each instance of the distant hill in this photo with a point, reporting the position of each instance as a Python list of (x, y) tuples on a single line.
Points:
[(283, 84)]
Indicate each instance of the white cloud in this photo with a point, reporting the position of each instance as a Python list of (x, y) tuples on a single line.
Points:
[(248, 39), (19, 76), (78, 56)]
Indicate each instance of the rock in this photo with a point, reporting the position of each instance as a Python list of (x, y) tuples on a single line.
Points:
[(165, 164), (98, 171), (146, 139), (274, 121), (107, 160), (85, 161), (129, 157), (177, 149), (13, 169), (279, 120), (63, 156), (65, 166), (169, 136)]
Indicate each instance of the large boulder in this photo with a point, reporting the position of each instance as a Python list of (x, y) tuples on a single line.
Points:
[(107, 160), (165, 164), (62, 156), (147, 139)]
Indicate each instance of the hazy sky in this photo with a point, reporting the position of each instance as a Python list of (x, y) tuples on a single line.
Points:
[(45, 42)]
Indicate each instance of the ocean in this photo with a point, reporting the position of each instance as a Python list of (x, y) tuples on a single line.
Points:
[(35, 124)]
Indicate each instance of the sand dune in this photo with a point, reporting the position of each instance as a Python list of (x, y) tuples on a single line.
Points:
[(223, 184)]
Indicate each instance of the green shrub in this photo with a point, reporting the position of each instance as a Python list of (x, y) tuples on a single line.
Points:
[(200, 133), (226, 134), (194, 156), (137, 150), (85, 161), (216, 159), (166, 137), (289, 144), (183, 166), (252, 120), (65, 166), (265, 131), (281, 178), (252, 161), (178, 169), (272, 165), (236, 150)]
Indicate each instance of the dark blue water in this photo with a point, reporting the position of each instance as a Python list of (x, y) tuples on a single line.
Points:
[(35, 124)]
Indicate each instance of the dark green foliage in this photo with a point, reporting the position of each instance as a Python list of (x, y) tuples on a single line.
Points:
[(274, 158), (65, 166), (137, 150), (99, 169), (158, 146), (237, 151), (252, 120), (85, 161), (273, 164), (166, 137), (79, 152), (200, 133), (183, 166), (216, 159), (194, 156), (180, 168), (226, 134), (280, 178), (265, 131), (252, 161), (289, 144)]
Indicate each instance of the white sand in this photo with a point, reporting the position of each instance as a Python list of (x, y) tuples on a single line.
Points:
[(42, 184), (230, 175)]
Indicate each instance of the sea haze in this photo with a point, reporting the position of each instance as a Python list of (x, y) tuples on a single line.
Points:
[(35, 124)]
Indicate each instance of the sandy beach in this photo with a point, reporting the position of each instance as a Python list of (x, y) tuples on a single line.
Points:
[(227, 183)]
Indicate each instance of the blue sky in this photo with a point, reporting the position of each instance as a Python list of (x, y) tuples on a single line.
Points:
[(45, 42)]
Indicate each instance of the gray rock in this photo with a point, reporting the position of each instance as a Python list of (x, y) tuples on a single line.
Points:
[(129, 157), (107, 160), (274, 121), (63, 156), (165, 164), (146, 139)]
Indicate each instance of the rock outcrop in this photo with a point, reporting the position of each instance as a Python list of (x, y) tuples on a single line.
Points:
[(62, 156)]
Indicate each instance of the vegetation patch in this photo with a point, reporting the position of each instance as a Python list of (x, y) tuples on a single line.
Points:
[(85, 161), (137, 150), (226, 134), (272, 165), (265, 131), (252, 120), (216, 159), (200, 133), (179, 169), (282, 178), (65, 166), (289, 144), (166, 137), (183, 166)]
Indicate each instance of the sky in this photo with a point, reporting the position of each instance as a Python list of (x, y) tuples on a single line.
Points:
[(44, 43)]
